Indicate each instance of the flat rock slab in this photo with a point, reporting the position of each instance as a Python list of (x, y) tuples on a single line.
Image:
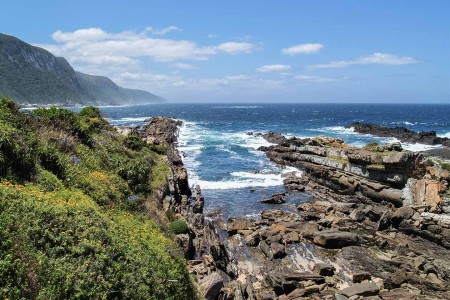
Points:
[(361, 289), (335, 239)]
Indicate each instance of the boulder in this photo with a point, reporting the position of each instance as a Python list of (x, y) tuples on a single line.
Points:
[(278, 250), (361, 276), (324, 269), (275, 199), (402, 213), (235, 224), (335, 239), (211, 285), (361, 289)]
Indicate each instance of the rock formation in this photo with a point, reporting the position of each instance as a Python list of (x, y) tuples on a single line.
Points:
[(401, 133)]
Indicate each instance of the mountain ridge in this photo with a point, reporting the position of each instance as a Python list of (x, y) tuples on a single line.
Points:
[(33, 75)]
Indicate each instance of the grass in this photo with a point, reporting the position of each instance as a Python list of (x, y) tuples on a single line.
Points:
[(338, 159), (380, 167), (73, 200)]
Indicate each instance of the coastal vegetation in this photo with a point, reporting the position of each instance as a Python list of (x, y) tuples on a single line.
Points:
[(72, 198)]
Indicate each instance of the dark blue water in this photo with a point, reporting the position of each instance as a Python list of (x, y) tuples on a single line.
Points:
[(224, 160)]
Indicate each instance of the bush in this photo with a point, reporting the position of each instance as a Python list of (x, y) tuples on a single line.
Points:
[(178, 227), (18, 152), (90, 112), (134, 142), (445, 166), (160, 149), (60, 118), (137, 174), (429, 162), (61, 245), (48, 181)]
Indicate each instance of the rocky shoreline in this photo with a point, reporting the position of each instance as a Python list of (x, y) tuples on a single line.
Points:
[(376, 226), (403, 134)]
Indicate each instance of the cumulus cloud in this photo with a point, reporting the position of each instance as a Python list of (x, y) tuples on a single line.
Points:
[(273, 68), (236, 47), (161, 31), (314, 79), (184, 66), (302, 49), (96, 46), (375, 58)]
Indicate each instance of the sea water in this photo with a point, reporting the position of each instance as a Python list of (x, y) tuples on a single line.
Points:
[(223, 158)]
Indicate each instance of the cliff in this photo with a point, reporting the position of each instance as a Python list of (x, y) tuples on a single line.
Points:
[(32, 75)]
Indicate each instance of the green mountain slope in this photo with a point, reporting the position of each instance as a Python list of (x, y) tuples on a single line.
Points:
[(106, 91), (30, 74)]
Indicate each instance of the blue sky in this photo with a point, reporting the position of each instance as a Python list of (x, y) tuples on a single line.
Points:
[(250, 51)]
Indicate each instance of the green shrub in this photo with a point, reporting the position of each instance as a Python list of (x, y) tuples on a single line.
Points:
[(60, 118), (137, 174), (178, 227), (445, 166), (18, 152), (48, 181), (90, 112), (134, 142), (429, 162), (160, 149), (61, 245)]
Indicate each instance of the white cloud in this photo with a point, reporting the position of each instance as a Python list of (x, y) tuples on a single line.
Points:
[(315, 79), (302, 49), (375, 58), (97, 47), (184, 66), (236, 47), (273, 68), (161, 31)]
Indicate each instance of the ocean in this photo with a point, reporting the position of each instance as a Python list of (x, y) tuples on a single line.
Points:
[(224, 160)]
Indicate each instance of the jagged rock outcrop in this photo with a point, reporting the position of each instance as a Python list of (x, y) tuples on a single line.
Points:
[(206, 253), (401, 133)]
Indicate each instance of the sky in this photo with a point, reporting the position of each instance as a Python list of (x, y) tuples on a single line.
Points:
[(319, 51)]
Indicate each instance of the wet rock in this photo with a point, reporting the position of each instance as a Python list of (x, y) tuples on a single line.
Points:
[(275, 199), (361, 289), (235, 224), (401, 133), (211, 285), (335, 239)]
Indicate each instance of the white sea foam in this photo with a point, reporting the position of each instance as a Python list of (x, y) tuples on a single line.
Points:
[(445, 135), (335, 129), (238, 106), (241, 180), (418, 147)]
